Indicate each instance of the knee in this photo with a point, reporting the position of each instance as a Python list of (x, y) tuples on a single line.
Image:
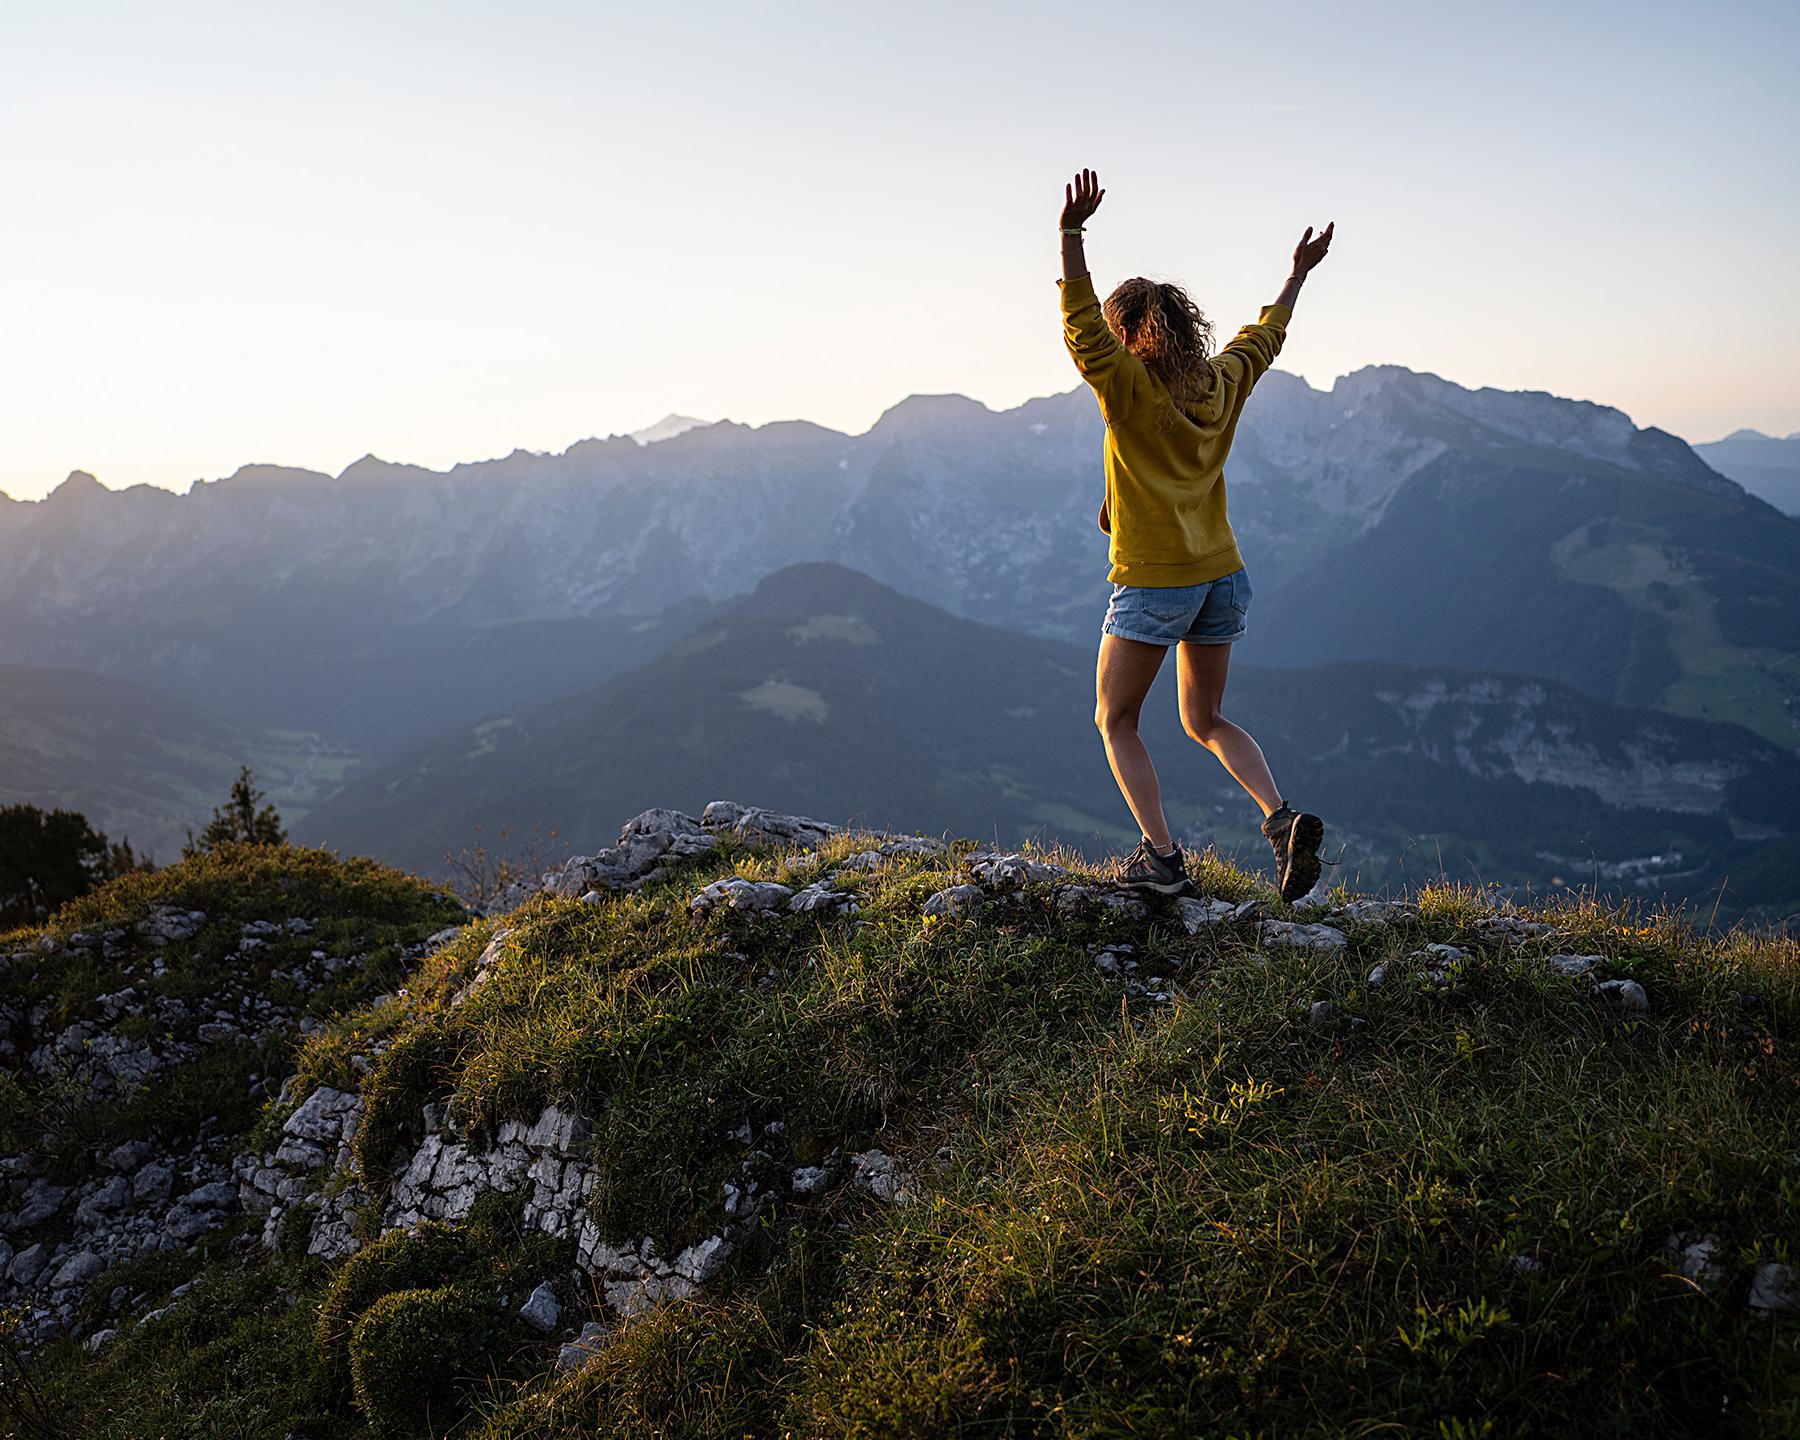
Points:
[(1203, 728), (1115, 722)]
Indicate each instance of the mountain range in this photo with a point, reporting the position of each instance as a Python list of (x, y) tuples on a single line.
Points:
[(1396, 517), (1763, 464), (352, 632)]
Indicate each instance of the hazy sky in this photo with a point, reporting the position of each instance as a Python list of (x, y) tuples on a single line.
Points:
[(298, 233)]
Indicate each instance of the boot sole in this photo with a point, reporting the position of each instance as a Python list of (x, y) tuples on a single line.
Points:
[(1161, 887), (1302, 869)]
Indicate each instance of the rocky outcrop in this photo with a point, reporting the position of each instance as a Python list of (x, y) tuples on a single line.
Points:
[(652, 841), (150, 1194)]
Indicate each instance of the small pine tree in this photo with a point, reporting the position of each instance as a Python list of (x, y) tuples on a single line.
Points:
[(243, 818), (47, 857), (121, 859)]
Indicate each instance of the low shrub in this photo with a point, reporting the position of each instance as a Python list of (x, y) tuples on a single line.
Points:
[(412, 1351), (432, 1255)]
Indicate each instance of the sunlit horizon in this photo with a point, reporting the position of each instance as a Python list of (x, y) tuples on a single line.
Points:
[(441, 233), (338, 470)]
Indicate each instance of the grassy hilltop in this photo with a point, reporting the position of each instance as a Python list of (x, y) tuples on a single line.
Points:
[(1038, 1168)]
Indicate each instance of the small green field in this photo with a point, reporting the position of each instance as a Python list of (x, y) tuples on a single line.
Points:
[(1755, 687)]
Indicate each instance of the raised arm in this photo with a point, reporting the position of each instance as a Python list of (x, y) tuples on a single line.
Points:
[(1254, 348), (1081, 199), (1308, 253), (1111, 370)]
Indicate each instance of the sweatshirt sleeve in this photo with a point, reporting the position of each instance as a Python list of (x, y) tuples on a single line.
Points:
[(1103, 362), (1254, 348)]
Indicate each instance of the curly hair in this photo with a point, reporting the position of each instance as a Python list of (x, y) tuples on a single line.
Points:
[(1165, 329)]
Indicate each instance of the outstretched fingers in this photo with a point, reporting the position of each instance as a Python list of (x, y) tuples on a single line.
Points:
[(1081, 197)]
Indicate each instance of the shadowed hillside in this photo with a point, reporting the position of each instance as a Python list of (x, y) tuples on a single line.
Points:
[(843, 699), (140, 763)]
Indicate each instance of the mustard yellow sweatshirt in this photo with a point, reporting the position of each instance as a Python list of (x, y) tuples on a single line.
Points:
[(1165, 488)]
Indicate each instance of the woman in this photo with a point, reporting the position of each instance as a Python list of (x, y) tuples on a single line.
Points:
[(1171, 408)]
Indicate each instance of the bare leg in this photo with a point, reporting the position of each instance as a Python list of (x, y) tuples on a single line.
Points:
[(1122, 679), (1202, 670)]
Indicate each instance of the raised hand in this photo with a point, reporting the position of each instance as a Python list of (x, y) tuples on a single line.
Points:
[(1309, 252), (1081, 198)]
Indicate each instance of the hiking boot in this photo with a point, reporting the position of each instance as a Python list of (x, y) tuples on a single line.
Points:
[(1144, 869), (1294, 836)]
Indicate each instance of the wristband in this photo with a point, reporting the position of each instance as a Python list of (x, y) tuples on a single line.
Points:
[(1074, 230)]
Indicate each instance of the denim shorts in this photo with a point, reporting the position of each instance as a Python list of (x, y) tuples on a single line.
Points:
[(1211, 613)]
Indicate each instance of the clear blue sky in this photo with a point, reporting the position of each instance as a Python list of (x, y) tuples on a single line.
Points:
[(254, 232)]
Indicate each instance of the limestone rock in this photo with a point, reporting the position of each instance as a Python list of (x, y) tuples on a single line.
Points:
[(166, 923), (153, 1184), (1375, 912), (912, 847), (958, 900), (40, 1201), (127, 1156), (701, 1261), (1443, 963), (756, 826), (184, 1222), (1009, 870), (1302, 937), (1699, 1256), (28, 1264), (324, 1117), (823, 898), (1772, 1289), (1628, 995), (1199, 913), (542, 1310), (484, 966), (562, 1131), (108, 1196), (584, 1347), (77, 1269), (882, 1176), (645, 842), (1440, 956), (1513, 928), (215, 1195), (740, 894)]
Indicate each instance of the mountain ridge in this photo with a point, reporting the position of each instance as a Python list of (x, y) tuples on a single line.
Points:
[(259, 596), (1766, 465), (1355, 385)]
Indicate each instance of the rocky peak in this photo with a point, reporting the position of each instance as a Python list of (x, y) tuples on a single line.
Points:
[(918, 414), (666, 428), (79, 488)]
